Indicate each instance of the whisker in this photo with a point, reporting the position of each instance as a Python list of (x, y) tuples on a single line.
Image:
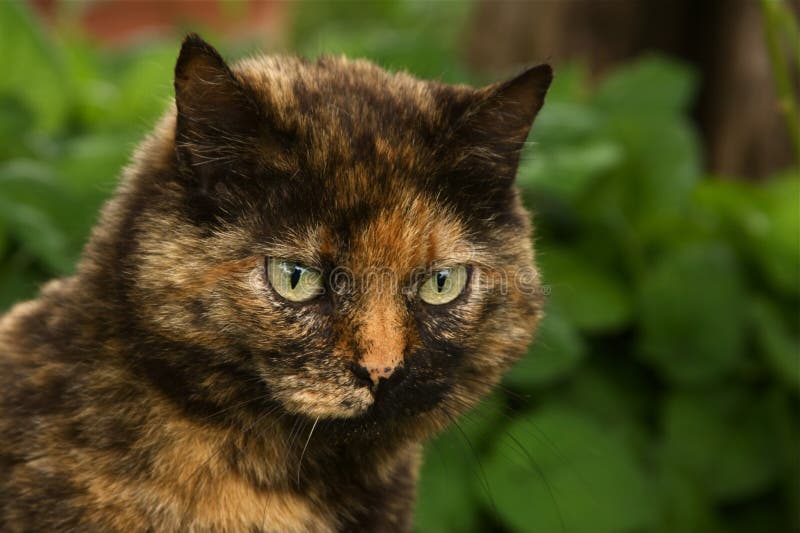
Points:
[(498, 386), (542, 476), (532, 462), (303, 453), (482, 473)]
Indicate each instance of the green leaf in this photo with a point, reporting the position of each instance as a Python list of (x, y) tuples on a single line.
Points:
[(556, 352), (570, 86), (91, 164), (40, 212), (480, 423), (684, 506), (777, 246), (763, 220), (721, 439), (780, 348), (379, 30), (18, 280), (591, 299), (143, 88), (568, 170), (660, 171), (559, 470), (453, 466), (784, 429), (38, 234), (650, 85), (15, 125), (3, 240), (692, 313), (561, 123), (445, 499), (34, 70), (642, 109), (614, 394)]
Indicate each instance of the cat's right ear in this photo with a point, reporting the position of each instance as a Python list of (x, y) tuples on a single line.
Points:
[(215, 112)]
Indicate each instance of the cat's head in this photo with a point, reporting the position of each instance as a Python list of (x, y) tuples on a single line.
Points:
[(345, 242)]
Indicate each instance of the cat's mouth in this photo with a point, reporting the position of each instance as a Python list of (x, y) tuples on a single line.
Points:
[(406, 394), (390, 415), (402, 395)]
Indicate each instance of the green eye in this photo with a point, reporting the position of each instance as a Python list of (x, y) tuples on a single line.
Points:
[(294, 282), (444, 285)]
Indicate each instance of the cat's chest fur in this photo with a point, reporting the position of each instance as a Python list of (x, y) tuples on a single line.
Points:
[(219, 500), (192, 486), (226, 503), (198, 491), (197, 487)]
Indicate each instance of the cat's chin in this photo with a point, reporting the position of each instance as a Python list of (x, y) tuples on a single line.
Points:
[(373, 425)]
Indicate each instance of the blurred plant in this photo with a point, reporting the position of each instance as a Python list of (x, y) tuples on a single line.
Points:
[(662, 392), (780, 25)]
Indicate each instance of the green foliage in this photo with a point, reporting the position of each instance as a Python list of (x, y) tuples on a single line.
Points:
[(560, 469), (411, 34), (662, 391), (594, 300), (560, 348), (71, 118), (684, 333)]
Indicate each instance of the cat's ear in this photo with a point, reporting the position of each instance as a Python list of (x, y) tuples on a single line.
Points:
[(215, 112), (499, 121)]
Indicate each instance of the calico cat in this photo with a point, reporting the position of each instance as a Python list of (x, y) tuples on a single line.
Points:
[(307, 270)]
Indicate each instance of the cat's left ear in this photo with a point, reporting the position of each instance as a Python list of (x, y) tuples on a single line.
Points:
[(504, 112), (215, 111)]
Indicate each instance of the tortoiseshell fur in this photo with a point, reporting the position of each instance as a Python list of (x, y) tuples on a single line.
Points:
[(166, 387)]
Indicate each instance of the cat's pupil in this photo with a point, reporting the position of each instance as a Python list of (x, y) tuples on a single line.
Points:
[(295, 277), (441, 279)]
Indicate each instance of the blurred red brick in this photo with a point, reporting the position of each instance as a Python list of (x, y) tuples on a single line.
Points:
[(123, 22)]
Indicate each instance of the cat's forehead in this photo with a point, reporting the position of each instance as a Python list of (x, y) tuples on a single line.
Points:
[(410, 233), (350, 101), (362, 183)]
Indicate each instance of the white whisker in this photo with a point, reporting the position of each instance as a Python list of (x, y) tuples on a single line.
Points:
[(303, 453)]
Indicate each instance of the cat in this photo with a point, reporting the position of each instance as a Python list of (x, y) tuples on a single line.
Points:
[(224, 357)]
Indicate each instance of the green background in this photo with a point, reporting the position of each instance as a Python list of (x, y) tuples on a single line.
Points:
[(662, 391)]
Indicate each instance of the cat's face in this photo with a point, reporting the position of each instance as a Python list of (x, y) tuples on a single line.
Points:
[(345, 242)]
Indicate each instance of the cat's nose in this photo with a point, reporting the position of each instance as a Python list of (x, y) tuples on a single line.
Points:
[(371, 373), (378, 371), (381, 337)]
